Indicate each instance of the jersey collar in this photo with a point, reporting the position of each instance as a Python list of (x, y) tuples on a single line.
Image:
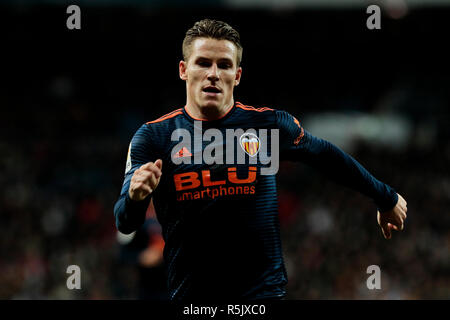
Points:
[(226, 115)]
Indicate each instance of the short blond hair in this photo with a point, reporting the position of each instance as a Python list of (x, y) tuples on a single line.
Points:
[(214, 29)]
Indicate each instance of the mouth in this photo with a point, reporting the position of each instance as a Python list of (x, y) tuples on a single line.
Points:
[(211, 90)]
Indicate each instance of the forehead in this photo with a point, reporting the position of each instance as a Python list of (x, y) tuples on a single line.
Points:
[(213, 49)]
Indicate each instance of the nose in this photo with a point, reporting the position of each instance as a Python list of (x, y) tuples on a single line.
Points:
[(213, 74)]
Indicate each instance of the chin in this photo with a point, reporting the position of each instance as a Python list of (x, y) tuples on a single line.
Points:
[(211, 105)]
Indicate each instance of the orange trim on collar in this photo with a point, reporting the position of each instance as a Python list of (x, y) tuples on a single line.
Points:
[(250, 108), (167, 116), (232, 107)]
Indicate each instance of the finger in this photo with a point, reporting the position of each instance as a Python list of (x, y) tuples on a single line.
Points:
[(151, 167), (144, 188), (139, 191), (404, 205), (399, 223), (395, 225), (153, 182), (142, 176), (158, 163), (157, 171), (404, 216), (386, 234), (148, 179), (404, 208), (392, 226), (401, 202), (386, 231)]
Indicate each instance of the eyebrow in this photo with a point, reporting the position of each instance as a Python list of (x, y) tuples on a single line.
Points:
[(200, 58)]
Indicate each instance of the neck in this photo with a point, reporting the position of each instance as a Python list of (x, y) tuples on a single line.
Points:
[(208, 113)]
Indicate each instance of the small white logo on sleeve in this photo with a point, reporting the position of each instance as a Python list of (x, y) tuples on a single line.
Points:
[(128, 166)]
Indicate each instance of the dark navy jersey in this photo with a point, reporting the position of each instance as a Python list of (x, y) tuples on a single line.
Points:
[(220, 220)]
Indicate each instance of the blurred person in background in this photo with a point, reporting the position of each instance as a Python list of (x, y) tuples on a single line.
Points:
[(144, 249)]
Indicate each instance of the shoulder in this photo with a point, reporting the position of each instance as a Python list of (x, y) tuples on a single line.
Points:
[(162, 125), (279, 114), (164, 118), (255, 116), (248, 108), (152, 131), (281, 117)]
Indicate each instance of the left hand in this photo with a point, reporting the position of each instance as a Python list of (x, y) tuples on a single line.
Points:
[(150, 257), (393, 219)]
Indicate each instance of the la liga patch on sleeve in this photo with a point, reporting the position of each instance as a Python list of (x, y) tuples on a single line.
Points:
[(128, 165)]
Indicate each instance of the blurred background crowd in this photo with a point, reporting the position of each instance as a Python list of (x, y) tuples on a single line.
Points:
[(70, 101)]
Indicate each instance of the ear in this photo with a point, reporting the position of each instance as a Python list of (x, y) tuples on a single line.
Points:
[(237, 79), (182, 67)]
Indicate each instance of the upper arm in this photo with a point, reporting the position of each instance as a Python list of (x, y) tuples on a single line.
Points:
[(292, 135), (140, 151)]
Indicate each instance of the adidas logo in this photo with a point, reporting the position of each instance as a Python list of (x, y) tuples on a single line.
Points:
[(184, 152)]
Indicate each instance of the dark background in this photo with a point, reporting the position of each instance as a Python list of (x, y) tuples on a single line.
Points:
[(72, 99)]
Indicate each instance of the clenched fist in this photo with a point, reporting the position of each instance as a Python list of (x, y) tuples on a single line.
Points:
[(145, 180), (393, 219)]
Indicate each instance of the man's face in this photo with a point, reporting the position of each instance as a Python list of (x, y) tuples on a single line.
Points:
[(211, 73)]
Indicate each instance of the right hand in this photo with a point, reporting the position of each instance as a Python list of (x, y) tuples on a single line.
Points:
[(145, 180)]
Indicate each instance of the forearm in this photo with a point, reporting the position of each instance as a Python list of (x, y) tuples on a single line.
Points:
[(345, 170), (129, 214), (141, 178)]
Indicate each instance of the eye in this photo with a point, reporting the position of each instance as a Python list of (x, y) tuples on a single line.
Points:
[(203, 63), (224, 65)]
